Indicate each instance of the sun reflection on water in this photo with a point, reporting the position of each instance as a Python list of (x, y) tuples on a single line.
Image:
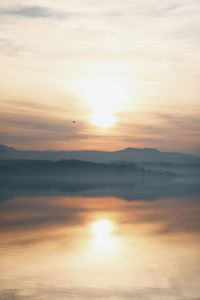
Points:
[(104, 242), (102, 228)]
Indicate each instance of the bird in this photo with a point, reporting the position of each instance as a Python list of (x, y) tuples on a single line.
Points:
[(74, 121)]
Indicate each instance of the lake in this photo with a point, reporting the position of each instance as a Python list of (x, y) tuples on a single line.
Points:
[(80, 246)]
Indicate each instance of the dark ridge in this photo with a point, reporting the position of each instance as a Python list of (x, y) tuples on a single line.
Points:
[(74, 168), (131, 155)]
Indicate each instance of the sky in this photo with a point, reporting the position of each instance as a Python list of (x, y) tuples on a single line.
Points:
[(126, 71)]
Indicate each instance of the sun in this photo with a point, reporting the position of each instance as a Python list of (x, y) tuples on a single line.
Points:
[(105, 97), (103, 119), (105, 92), (102, 228)]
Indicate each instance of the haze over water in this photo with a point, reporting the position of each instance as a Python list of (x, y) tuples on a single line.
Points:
[(80, 247)]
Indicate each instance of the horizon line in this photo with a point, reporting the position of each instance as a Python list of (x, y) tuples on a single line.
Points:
[(96, 150)]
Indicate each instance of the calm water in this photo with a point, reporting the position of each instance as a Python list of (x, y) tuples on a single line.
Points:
[(80, 247)]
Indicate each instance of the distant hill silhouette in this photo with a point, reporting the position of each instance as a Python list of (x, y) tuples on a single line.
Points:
[(75, 168), (125, 155), (122, 179)]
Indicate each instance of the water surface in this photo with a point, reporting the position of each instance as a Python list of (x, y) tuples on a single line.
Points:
[(49, 248)]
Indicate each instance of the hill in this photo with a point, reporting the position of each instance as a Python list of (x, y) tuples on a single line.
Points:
[(124, 155), (74, 168)]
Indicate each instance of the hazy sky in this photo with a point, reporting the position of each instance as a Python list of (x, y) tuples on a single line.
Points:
[(127, 71)]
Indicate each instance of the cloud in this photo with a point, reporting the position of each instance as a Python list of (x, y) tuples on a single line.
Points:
[(108, 10), (173, 132), (8, 47), (156, 41), (32, 11), (34, 126)]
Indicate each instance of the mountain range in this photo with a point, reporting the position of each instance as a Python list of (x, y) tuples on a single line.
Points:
[(124, 155)]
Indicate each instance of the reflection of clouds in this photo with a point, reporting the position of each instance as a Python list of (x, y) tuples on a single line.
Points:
[(177, 291), (168, 215), (37, 217), (125, 264)]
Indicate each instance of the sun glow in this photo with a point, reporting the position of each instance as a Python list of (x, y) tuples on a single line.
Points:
[(105, 97), (103, 119), (106, 93)]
